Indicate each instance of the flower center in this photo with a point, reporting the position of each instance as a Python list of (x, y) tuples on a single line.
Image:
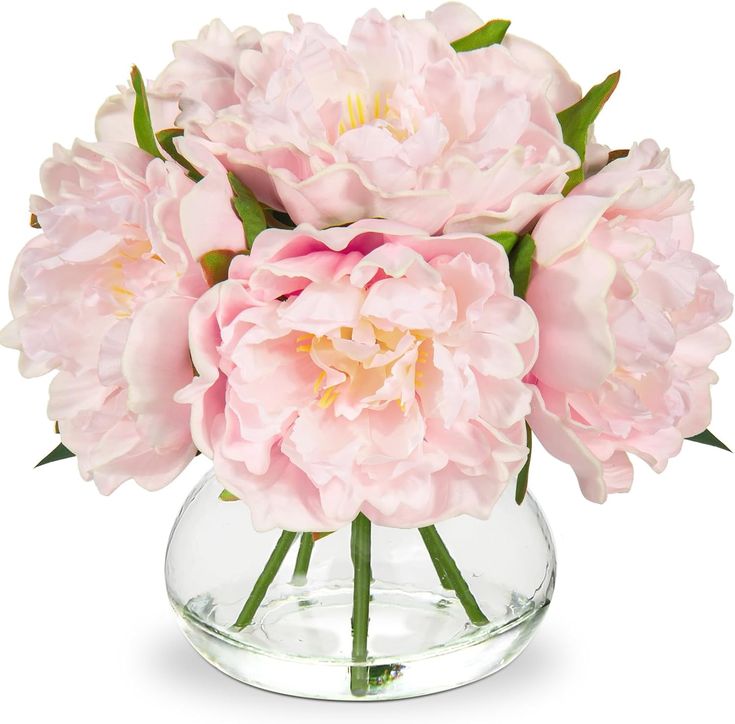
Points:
[(378, 365), (124, 268), (359, 112)]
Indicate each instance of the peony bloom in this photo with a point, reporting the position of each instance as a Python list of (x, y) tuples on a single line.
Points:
[(395, 124), (203, 69), (629, 322), (103, 296), (370, 368), (455, 20)]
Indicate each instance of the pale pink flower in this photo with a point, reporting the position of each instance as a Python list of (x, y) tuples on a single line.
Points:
[(203, 69), (370, 368), (455, 20), (395, 124), (629, 322), (103, 296)]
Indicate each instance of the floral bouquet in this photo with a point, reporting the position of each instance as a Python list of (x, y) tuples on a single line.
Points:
[(361, 279)]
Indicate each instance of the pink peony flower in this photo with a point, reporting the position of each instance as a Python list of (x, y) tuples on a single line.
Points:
[(371, 368), (395, 124), (203, 69), (455, 20), (629, 323), (103, 296)]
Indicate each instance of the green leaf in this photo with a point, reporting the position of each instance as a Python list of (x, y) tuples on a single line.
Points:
[(216, 265), (522, 480), (166, 140), (520, 264), (60, 452), (506, 239), (489, 34), (248, 209), (576, 121), (279, 220), (707, 438), (34, 222), (142, 116), (228, 497)]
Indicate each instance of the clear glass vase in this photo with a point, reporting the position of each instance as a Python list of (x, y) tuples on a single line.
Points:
[(420, 633)]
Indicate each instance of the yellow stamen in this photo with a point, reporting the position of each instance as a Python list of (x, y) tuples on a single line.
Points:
[(360, 110), (376, 107), (329, 396), (122, 314), (319, 381), (351, 111), (304, 347), (122, 290), (342, 128)]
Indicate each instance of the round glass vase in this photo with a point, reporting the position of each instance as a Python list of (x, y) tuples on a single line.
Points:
[(434, 608)]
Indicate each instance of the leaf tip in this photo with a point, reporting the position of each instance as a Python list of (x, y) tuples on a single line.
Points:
[(135, 74), (708, 438), (216, 265), (613, 80)]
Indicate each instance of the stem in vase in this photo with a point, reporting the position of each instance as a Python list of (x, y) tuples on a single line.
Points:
[(264, 580), (443, 562), (303, 559), (360, 550), (438, 565)]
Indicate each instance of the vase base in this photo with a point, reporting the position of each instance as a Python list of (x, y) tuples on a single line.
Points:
[(420, 642)]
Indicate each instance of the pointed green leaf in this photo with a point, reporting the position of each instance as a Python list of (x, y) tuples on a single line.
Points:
[(248, 209), (520, 260), (216, 265), (707, 438), (142, 115), (60, 452), (166, 140), (228, 497), (506, 239), (489, 34), (522, 480), (576, 121)]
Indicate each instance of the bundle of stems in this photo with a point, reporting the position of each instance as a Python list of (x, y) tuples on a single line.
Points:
[(360, 548)]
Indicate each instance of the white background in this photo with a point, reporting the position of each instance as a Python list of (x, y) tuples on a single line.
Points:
[(642, 625)]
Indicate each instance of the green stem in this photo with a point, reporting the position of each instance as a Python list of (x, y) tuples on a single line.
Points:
[(264, 580), (444, 561), (438, 565), (303, 559), (360, 549)]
